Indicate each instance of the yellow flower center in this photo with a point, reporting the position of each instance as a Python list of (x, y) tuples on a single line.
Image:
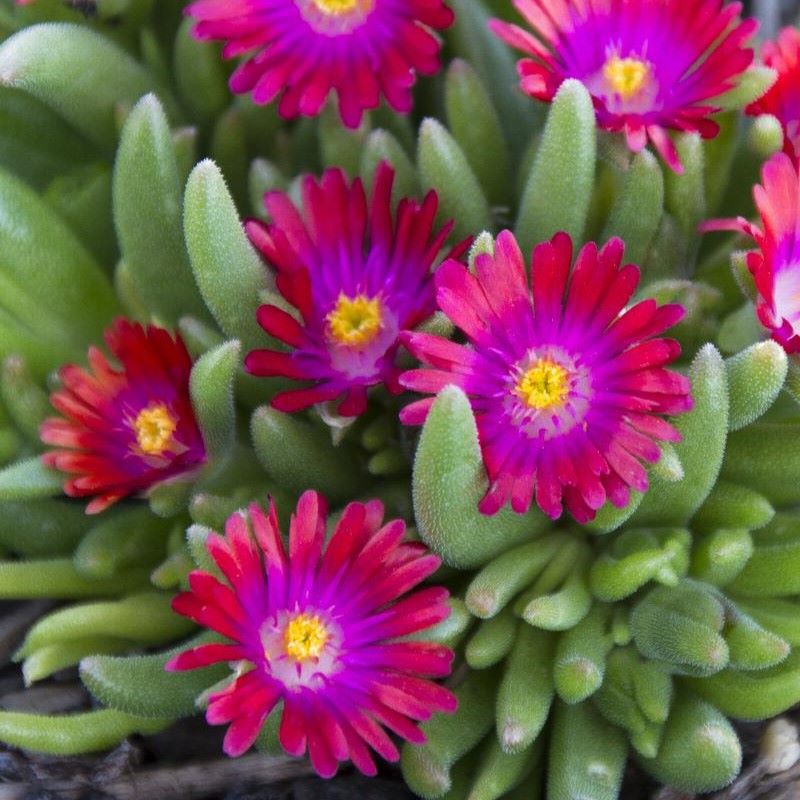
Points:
[(544, 385), (335, 7), (355, 320), (154, 427), (305, 637), (626, 76)]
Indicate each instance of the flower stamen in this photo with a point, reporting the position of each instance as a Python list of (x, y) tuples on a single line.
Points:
[(544, 385), (355, 321), (627, 77), (305, 637), (336, 8), (154, 427)]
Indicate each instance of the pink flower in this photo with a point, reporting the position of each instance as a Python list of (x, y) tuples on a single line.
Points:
[(125, 430), (783, 98), (775, 266), (357, 274), (649, 65), (303, 50), (318, 628), (565, 382)]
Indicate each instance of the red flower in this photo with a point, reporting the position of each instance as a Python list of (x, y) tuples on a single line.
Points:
[(783, 98), (358, 274), (775, 265), (321, 628), (304, 50), (125, 430), (566, 383), (649, 65)]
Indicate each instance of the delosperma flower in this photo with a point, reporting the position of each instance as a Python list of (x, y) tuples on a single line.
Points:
[(775, 266), (565, 383), (304, 50), (783, 98), (125, 430), (317, 628), (649, 65), (358, 275)]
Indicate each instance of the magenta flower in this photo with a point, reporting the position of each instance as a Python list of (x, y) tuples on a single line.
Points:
[(565, 383), (783, 98), (775, 266), (125, 430), (318, 628), (648, 64), (357, 276), (303, 50)]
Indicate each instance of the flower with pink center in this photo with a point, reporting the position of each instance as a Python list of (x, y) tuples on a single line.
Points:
[(303, 50), (775, 266), (783, 98), (358, 275), (566, 383), (125, 430), (649, 65), (321, 629)]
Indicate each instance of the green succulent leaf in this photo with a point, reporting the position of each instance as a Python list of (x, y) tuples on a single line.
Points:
[(681, 626), (59, 63), (43, 528), (587, 755), (499, 772), (199, 75), (476, 127), (228, 271), (211, 388), (559, 187), (492, 641), (66, 305), (140, 685), (754, 82), (526, 690), (146, 618), (57, 578), (755, 378), (73, 734), (29, 480), (699, 752), (427, 768), (382, 145), (637, 211), (704, 430), (449, 481), (300, 456), (148, 205), (132, 537), (443, 166)]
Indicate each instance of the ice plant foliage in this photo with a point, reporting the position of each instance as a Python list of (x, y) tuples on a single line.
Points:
[(566, 384), (316, 627), (775, 265), (358, 276), (649, 65), (126, 429), (554, 388), (783, 98), (307, 49)]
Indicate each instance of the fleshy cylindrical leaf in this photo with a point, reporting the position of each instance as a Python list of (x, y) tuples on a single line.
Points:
[(559, 187)]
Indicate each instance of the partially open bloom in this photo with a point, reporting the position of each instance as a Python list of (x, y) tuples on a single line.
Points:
[(775, 266), (649, 65), (125, 430), (303, 50), (317, 628), (356, 275), (565, 384), (783, 98)]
